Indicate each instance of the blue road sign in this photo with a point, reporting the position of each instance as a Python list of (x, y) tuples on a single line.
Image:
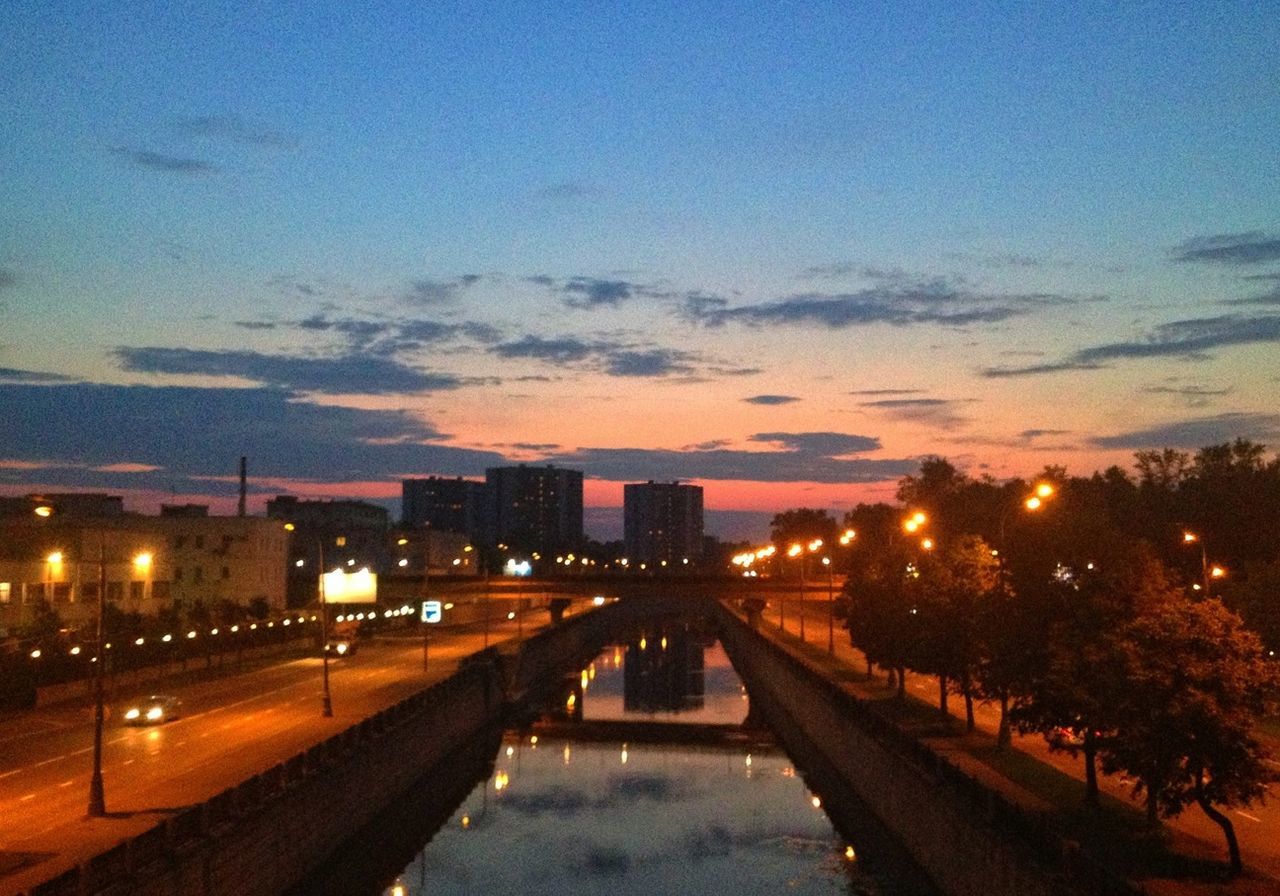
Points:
[(431, 611)]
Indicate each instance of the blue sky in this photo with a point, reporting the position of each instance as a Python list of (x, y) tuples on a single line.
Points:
[(784, 252)]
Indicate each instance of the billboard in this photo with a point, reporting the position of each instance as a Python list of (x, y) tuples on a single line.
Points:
[(341, 587)]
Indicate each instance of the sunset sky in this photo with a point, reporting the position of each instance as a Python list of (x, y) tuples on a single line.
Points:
[(783, 251)]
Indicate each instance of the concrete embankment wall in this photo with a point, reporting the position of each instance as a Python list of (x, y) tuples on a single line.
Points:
[(267, 834), (263, 836), (969, 839)]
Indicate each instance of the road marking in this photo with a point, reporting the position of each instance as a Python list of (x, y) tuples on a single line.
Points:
[(1248, 816), (68, 782), (27, 768), (27, 798)]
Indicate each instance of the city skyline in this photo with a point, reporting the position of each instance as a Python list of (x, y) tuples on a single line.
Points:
[(781, 257)]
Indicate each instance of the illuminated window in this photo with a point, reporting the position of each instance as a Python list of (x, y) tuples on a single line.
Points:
[(6, 592)]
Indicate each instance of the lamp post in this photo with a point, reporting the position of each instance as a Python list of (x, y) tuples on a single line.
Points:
[(97, 794), (426, 594), (326, 705), (846, 538), (1033, 502), (1207, 572), (831, 608)]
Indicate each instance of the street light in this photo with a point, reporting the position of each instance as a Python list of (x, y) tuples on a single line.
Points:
[(326, 704), (1207, 572), (1033, 502)]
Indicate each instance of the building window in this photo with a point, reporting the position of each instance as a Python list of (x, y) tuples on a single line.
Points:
[(62, 592), (6, 592), (199, 541), (226, 572), (179, 542), (137, 590), (198, 575), (115, 590), (160, 590), (89, 591), (177, 573)]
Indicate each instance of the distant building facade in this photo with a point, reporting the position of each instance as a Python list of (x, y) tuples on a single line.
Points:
[(535, 509), (342, 534), (663, 524), (152, 564), (439, 553), (446, 505)]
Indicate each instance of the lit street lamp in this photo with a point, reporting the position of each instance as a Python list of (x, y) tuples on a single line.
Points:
[(1042, 492), (1207, 572)]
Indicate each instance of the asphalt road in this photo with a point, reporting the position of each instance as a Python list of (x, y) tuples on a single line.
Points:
[(1257, 827), (232, 727)]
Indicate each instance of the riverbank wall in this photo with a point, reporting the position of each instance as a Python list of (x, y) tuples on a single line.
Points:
[(969, 839)]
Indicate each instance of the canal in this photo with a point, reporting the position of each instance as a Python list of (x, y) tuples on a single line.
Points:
[(644, 773)]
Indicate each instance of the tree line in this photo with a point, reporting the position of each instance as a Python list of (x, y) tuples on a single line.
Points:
[(1134, 618)]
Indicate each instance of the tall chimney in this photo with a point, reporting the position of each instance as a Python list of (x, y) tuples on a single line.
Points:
[(243, 485)]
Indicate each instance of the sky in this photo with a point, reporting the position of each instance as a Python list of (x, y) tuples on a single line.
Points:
[(783, 252)]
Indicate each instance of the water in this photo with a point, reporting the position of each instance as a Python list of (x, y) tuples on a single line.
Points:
[(573, 815)]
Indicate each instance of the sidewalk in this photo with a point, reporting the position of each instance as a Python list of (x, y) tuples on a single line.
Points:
[(1041, 780)]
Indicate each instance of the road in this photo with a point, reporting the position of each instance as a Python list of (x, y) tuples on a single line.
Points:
[(1257, 827), (232, 727)]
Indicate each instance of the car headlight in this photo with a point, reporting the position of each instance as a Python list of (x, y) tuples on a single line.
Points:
[(155, 714), (341, 648), (132, 714)]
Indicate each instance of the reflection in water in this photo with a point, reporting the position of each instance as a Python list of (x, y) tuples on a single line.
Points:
[(566, 813), (668, 677), (689, 680), (621, 819)]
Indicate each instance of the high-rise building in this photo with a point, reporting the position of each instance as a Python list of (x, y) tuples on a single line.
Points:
[(662, 524), (445, 505), (536, 508)]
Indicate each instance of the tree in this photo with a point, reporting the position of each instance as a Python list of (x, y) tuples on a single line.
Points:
[(802, 525), (1076, 678), (1257, 600), (1162, 470), (1196, 684), (881, 623), (953, 583), (45, 624)]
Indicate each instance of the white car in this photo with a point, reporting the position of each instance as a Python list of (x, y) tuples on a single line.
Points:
[(153, 710)]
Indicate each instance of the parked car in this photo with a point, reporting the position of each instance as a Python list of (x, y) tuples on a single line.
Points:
[(339, 647), (1066, 737), (153, 710)]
